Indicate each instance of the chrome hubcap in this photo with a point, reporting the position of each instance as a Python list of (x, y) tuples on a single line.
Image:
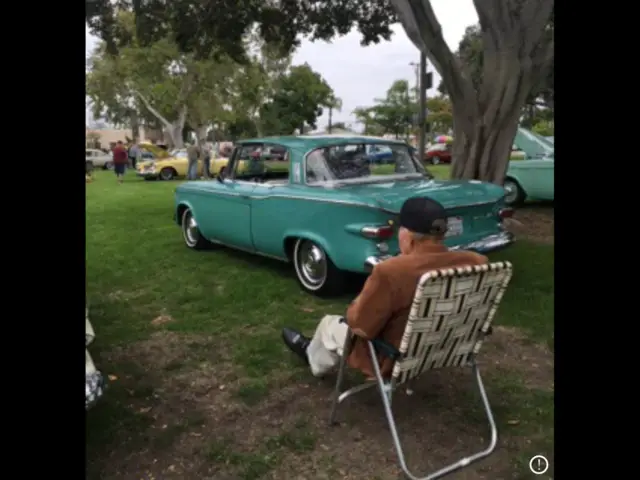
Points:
[(166, 174), (312, 264), (191, 229), (511, 192)]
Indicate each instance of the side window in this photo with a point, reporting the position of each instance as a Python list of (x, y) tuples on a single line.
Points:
[(248, 160)]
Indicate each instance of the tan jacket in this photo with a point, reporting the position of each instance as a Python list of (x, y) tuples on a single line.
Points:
[(382, 308)]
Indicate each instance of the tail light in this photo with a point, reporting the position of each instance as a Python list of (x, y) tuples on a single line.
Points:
[(505, 213), (377, 232)]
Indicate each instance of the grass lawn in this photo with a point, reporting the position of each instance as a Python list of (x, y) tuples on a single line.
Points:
[(202, 386)]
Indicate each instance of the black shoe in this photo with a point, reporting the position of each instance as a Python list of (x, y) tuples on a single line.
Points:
[(296, 342)]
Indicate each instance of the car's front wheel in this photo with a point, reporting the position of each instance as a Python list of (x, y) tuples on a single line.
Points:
[(514, 194), (168, 173), (108, 166), (435, 160), (191, 232), (315, 271)]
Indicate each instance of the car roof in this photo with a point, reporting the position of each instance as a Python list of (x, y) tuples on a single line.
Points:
[(309, 142)]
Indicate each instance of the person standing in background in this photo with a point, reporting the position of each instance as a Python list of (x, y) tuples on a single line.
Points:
[(120, 160), (135, 154), (193, 153), (206, 154)]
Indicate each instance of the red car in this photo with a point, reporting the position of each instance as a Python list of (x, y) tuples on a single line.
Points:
[(438, 153)]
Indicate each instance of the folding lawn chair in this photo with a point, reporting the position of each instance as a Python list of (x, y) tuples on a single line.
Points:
[(450, 317)]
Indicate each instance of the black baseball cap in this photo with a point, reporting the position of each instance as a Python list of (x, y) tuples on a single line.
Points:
[(423, 215)]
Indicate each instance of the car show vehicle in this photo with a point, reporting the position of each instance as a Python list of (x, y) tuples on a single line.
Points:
[(533, 177), (438, 153), (95, 158), (334, 210)]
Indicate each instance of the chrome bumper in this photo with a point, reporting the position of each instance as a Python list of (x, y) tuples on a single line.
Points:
[(374, 260), (488, 244), (146, 174)]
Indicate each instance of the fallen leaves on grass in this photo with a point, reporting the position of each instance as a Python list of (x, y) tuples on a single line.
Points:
[(161, 320)]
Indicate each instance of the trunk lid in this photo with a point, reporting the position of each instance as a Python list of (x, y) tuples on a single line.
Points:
[(472, 205)]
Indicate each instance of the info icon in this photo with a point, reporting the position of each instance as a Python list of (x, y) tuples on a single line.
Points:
[(538, 464)]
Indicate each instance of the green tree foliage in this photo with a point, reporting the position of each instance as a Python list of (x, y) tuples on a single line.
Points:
[(297, 101), (204, 27), (158, 82)]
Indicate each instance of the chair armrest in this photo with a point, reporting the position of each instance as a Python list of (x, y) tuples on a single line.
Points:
[(382, 347)]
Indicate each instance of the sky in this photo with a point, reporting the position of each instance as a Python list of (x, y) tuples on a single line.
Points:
[(360, 74)]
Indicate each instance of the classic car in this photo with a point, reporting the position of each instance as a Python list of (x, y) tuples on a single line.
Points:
[(94, 380), (97, 159), (438, 153), (532, 177), (153, 152), (176, 166), (333, 211)]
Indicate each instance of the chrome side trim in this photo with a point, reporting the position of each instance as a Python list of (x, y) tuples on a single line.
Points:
[(322, 200), (341, 202), (246, 250)]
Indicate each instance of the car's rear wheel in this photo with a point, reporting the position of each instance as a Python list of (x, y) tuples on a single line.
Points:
[(315, 271), (435, 160), (108, 166), (514, 195), (168, 173), (191, 232)]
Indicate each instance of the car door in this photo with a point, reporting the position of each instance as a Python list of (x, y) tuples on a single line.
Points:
[(537, 177), (229, 218)]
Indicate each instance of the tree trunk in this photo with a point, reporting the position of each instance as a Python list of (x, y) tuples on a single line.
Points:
[(135, 125), (201, 133), (173, 129), (517, 54)]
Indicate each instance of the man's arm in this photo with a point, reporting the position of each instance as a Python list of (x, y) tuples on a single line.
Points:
[(371, 310)]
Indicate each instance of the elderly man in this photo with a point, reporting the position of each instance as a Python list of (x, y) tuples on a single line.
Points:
[(382, 308)]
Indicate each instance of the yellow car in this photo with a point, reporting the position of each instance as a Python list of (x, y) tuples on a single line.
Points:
[(176, 166)]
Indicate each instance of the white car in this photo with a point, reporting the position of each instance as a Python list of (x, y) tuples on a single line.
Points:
[(94, 380), (98, 159)]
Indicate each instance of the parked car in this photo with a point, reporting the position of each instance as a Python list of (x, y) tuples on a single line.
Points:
[(175, 167), (380, 154), (94, 380), (95, 158), (151, 151), (438, 153), (532, 177), (334, 211)]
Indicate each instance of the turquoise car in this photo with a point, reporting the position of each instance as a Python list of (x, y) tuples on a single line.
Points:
[(334, 211), (532, 177)]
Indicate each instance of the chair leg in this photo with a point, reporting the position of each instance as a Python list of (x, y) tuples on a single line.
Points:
[(341, 371), (386, 391)]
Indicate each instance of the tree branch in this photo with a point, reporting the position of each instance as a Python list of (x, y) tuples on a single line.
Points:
[(424, 30), (166, 122)]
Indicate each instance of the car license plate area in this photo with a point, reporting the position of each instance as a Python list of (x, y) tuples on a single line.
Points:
[(454, 227)]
